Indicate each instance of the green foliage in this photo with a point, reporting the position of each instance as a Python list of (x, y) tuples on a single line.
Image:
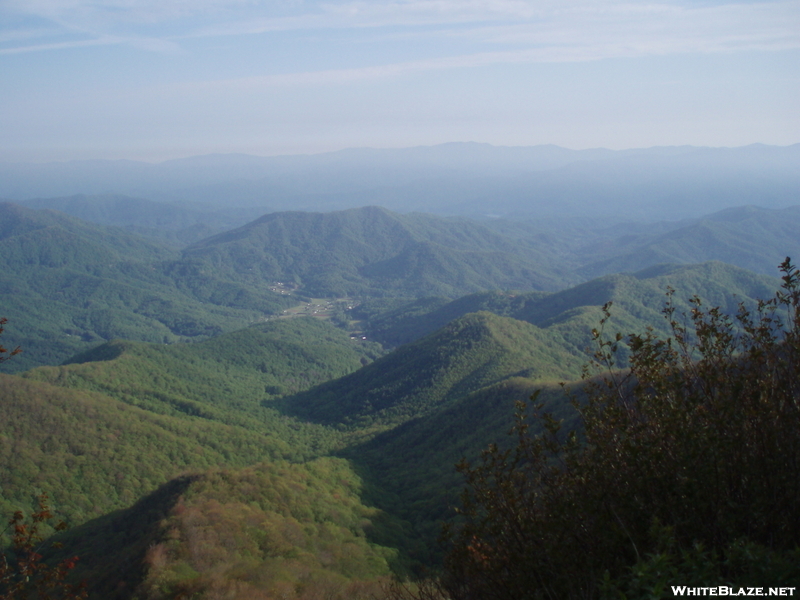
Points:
[(742, 563), (574, 311), (95, 454), (271, 530), (68, 286), (409, 469), (100, 433), (371, 251), (701, 435), (472, 352), (239, 370)]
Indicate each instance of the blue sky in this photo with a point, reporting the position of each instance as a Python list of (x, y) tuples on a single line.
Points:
[(157, 79)]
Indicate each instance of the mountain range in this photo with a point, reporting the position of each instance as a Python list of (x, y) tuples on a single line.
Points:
[(449, 179), (276, 408), (91, 282)]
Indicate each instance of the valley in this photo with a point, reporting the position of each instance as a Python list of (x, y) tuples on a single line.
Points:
[(272, 404)]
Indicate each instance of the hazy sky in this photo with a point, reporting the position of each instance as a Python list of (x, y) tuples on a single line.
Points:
[(155, 79)]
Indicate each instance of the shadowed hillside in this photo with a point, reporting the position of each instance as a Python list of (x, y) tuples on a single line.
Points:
[(275, 529), (469, 353)]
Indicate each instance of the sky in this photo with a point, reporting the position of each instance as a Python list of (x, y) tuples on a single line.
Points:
[(158, 79)]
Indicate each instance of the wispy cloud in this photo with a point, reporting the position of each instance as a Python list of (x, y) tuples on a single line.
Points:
[(572, 34), (655, 29), (543, 28), (149, 44), (545, 54)]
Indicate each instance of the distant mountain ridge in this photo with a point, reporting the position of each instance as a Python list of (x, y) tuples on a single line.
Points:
[(179, 224), (91, 283), (453, 179), (372, 251), (750, 237), (637, 298)]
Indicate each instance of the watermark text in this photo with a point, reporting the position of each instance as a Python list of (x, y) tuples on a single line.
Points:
[(724, 590)]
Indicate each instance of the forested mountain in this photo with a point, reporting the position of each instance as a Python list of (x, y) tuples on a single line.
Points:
[(435, 253), (750, 237), (274, 529), (371, 251), (83, 430), (49, 238), (177, 223), (203, 439), (637, 297), (69, 285), (469, 353)]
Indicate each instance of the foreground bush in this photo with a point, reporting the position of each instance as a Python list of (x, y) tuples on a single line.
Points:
[(686, 470)]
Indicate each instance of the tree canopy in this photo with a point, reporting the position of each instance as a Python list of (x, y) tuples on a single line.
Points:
[(686, 469)]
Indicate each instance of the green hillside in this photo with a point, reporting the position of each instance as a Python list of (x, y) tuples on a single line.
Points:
[(469, 353), (421, 485), (127, 416), (52, 239), (411, 468), (749, 237), (178, 224), (638, 299), (371, 251), (225, 380), (271, 530), (68, 285), (93, 453)]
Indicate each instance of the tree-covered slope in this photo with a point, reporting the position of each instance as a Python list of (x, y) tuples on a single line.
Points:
[(411, 465), (371, 251), (100, 432), (68, 285), (638, 300), (275, 529), (225, 380), (411, 468), (467, 354), (176, 223), (749, 237), (93, 453), (52, 239)]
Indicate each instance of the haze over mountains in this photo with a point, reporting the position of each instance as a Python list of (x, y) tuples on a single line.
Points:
[(248, 375), (450, 179)]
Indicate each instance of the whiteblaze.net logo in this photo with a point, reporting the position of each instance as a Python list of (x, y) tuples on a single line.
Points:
[(724, 590)]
